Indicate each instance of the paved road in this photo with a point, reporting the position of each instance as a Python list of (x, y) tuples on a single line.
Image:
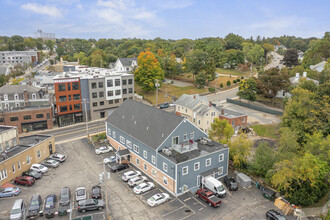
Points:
[(275, 61), (222, 96)]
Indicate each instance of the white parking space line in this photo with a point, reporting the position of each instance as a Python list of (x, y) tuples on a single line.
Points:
[(188, 216), (173, 211), (200, 209), (187, 199), (199, 202)]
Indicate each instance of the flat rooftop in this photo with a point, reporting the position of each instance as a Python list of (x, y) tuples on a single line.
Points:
[(30, 108), (202, 150), (5, 128)]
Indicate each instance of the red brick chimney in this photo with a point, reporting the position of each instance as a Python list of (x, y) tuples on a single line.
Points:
[(222, 111), (194, 96), (210, 104), (26, 98)]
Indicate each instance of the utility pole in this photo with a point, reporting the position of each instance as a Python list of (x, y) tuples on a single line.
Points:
[(105, 189), (86, 115), (157, 85)]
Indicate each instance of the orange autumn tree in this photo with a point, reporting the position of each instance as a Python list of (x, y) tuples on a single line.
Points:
[(148, 71)]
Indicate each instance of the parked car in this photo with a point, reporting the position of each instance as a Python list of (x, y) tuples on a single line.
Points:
[(17, 212), (103, 150), (111, 159), (25, 180), (209, 197), (164, 105), (158, 199), (137, 180), (90, 204), (130, 174), (50, 206), (143, 187), (118, 167), (231, 183), (274, 215), (58, 157), (34, 206), (50, 163), (32, 173), (171, 104), (39, 168), (81, 193), (96, 192), (10, 191), (65, 196)]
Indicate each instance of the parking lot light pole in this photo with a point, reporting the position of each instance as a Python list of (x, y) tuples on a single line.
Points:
[(85, 101), (157, 85)]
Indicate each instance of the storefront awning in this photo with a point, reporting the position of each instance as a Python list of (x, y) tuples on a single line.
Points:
[(122, 153)]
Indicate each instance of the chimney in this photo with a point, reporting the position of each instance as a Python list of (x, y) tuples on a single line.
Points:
[(194, 96), (222, 111), (26, 97), (305, 74), (297, 75), (210, 104)]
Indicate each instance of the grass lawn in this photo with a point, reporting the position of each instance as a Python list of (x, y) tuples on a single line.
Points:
[(171, 90), (222, 79), (232, 72), (266, 130)]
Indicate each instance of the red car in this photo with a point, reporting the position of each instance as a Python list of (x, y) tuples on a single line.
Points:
[(209, 197), (25, 180)]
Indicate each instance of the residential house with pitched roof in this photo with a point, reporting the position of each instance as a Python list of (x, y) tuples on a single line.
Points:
[(124, 64), (168, 148)]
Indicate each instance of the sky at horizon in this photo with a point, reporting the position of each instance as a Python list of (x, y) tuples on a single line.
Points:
[(167, 19)]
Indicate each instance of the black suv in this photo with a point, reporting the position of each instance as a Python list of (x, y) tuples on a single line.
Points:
[(34, 206), (274, 215), (118, 167), (230, 183)]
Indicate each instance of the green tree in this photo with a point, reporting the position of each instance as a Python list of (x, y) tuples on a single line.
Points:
[(228, 83), (148, 71), (50, 44), (318, 145), (240, 149), (200, 80), (253, 53), (233, 41), (232, 57), (291, 58), (248, 90), (196, 61), (221, 131)]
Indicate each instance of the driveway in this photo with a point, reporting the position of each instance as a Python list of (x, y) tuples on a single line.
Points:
[(179, 83)]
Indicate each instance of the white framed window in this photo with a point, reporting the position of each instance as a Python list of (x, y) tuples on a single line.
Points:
[(196, 166), (153, 172), (16, 97), (28, 159), (34, 96), (19, 165), (221, 157), (128, 144), (122, 139), (145, 154), (39, 154), (243, 120), (192, 135), (3, 174), (212, 113), (208, 162), (185, 170), (153, 159), (207, 122), (178, 108), (145, 166), (165, 181), (175, 140), (220, 171), (5, 97), (199, 122), (165, 166), (114, 134), (109, 131), (186, 110), (14, 170), (136, 148), (207, 114), (137, 161), (185, 136)]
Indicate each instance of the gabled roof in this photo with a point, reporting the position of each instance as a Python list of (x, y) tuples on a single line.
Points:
[(228, 113), (318, 65), (191, 101), (127, 61), (145, 123), (13, 89)]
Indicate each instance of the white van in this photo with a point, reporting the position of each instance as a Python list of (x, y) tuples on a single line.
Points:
[(214, 185), (17, 212)]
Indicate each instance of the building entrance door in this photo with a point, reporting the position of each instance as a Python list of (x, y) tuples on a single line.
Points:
[(50, 149)]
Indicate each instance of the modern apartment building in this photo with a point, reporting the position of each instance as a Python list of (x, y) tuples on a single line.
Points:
[(19, 57), (26, 107)]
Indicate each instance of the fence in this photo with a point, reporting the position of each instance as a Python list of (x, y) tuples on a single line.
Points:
[(258, 108)]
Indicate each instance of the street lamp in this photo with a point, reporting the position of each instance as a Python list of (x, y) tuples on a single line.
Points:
[(86, 115), (157, 85)]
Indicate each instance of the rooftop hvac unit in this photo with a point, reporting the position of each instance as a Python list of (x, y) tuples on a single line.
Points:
[(167, 152), (203, 141)]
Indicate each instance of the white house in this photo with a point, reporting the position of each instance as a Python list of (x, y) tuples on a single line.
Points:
[(124, 64), (318, 67)]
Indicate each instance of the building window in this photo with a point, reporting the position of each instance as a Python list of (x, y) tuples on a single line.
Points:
[(137, 161), (117, 82), (3, 174), (175, 140), (28, 159), (165, 166), (110, 102), (70, 107), (243, 120), (124, 82), (220, 171), (39, 154), (34, 96), (199, 122), (14, 118), (76, 96), (153, 171), (63, 108), (94, 86), (124, 91), (191, 135), (109, 131), (196, 166), (5, 97), (16, 97), (109, 83), (130, 90), (114, 134), (69, 86), (2, 119), (101, 94), (39, 115), (14, 170), (130, 81), (185, 170), (94, 104), (136, 148), (94, 95), (116, 100), (145, 154), (153, 159), (186, 110), (110, 93), (208, 162), (128, 144), (61, 87), (165, 181), (102, 103), (75, 86), (19, 165), (221, 157), (185, 135), (122, 139), (145, 166), (100, 85), (62, 98), (27, 117), (118, 92), (77, 106), (233, 123), (212, 113)]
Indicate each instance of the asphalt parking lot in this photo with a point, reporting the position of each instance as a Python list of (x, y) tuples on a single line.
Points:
[(82, 168)]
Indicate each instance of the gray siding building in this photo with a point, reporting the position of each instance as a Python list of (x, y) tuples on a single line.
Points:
[(166, 147)]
